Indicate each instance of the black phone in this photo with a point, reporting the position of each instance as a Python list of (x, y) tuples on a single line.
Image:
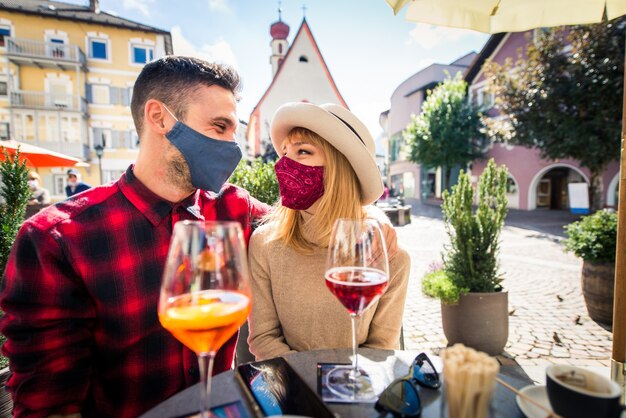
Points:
[(279, 390)]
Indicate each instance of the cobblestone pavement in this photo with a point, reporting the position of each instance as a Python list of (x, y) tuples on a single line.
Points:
[(548, 319)]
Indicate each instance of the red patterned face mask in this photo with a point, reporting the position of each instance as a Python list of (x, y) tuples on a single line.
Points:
[(300, 185)]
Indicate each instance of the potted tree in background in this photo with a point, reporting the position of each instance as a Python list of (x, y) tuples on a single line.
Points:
[(474, 307), (14, 195), (594, 239)]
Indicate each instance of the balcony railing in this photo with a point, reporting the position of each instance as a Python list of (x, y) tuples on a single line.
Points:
[(47, 101), (49, 51)]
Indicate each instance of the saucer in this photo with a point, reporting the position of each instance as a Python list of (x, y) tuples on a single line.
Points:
[(537, 394)]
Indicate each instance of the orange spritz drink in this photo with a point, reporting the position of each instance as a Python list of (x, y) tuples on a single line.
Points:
[(204, 321), (205, 290)]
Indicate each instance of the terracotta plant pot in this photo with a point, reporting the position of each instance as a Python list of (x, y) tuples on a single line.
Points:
[(597, 282), (478, 320)]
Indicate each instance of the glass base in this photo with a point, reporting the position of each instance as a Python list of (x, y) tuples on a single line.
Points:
[(347, 383)]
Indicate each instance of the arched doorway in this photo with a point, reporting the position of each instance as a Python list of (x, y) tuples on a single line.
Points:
[(549, 190)]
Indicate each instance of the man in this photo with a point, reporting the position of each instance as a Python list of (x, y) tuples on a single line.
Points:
[(39, 195), (74, 184), (82, 283)]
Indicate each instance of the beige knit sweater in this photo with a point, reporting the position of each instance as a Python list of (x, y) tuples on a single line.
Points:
[(293, 310)]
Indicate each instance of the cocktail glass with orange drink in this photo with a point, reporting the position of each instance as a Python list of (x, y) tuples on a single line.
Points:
[(205, 292)]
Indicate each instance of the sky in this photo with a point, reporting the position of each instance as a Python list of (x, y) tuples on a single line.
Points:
[(367, 49)]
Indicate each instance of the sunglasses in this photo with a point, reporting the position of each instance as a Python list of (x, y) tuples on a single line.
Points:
[(401, 398)]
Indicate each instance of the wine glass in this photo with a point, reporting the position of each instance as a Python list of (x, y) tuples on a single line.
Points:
[(205, 291), (357, 273)]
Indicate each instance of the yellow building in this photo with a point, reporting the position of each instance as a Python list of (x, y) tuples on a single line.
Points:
[(66, 78)]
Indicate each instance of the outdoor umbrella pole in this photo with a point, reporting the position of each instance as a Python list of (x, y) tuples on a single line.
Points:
[(618, 372)]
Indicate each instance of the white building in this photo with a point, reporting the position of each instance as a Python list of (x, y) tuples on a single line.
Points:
[(300, 74)]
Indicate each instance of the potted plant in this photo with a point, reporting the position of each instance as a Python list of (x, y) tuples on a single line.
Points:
[(594, 239), (474, 307)]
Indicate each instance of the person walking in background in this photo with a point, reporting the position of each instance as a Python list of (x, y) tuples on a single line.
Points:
[(74, 183), (39, 195), (327, 171)]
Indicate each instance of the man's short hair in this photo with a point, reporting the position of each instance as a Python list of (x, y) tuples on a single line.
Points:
[(173, 80)]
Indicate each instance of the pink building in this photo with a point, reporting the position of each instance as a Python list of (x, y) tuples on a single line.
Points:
[(534, 183), (403, 175)]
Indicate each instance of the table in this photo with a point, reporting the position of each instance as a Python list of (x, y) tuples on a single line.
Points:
[(225, 388)]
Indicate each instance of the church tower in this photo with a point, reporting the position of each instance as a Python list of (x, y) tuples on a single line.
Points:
[(279, 31), (299, 74)]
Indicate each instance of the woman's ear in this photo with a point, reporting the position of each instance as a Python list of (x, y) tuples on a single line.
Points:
[(156, 117)]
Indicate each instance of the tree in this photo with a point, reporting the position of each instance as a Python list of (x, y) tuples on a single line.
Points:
[(448, 131), (258, 178), (15, 193), (564, 97)]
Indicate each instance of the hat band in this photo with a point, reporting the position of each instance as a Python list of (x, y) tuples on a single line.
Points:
[(348, 125)]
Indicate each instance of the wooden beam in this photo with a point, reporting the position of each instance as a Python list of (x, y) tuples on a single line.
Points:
[(619, 304)]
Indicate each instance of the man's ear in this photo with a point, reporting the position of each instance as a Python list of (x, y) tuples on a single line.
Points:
[(156, 117)]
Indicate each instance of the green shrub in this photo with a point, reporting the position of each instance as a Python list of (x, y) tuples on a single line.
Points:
[(470, 261), (594, 237), (437, 284), (258, 178), (15, 193)]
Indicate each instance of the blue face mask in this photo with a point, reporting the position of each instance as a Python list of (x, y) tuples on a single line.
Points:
[(210, 161)]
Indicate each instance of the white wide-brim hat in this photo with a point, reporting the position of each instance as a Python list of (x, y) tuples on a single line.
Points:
[(342, 130)]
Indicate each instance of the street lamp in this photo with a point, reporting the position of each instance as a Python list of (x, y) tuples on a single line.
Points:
[(99, 148)]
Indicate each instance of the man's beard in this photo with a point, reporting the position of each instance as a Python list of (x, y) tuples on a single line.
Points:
[(177, 171)]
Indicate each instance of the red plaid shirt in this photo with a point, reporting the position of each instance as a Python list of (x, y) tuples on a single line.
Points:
[(80, 297)]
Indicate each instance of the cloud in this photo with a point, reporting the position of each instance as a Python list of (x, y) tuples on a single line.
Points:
[(429, 36), (219, 5), (143, 6), (220, 51)]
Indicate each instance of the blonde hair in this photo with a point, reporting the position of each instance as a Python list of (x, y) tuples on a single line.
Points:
[(340, 180)]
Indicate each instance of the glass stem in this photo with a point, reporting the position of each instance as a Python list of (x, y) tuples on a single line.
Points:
[(205, 361), (355, 359)]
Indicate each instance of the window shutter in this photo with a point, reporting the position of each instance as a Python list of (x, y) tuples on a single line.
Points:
[(88, 93), (114, 95), (126, 139), (115, 139), (125, 96)]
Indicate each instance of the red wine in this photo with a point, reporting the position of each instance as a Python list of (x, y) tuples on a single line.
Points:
[(357, 288)]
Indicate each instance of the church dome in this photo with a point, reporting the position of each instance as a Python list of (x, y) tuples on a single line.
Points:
[(279, 30)]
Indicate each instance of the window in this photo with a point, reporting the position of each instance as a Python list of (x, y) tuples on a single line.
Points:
[(4, 32), (142, 54), (98, 49), (122, 139), (4, 130), (111, 175), (100, 94), (102, 136), (486, 99), (58, 49), (59, 96), (511, 186), (70, 129), (3, 88), (58, 183)]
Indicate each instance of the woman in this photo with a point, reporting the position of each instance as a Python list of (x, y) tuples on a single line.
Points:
[(327, 171)]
